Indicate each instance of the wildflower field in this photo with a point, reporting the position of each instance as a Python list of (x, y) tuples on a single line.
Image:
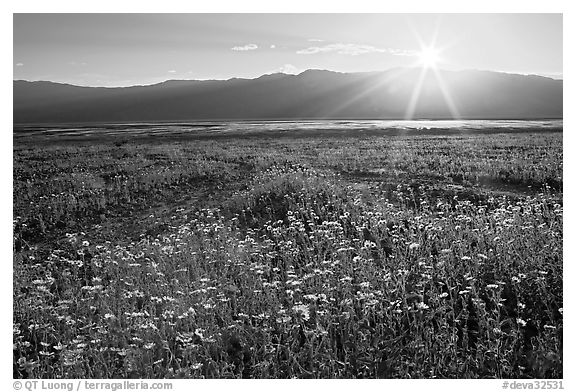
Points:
[(405, 256)]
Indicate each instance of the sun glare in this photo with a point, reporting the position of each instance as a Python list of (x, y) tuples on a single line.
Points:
[(429, 57)]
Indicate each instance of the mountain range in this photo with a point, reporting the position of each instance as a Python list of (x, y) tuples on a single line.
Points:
[(313, 94)]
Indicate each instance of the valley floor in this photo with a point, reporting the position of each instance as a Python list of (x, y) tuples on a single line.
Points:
[(392, 256)]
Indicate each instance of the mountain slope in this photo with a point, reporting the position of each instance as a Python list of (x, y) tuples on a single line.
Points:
[(311, 94)]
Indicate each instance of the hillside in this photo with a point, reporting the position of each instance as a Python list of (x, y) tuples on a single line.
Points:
[(311, 94)]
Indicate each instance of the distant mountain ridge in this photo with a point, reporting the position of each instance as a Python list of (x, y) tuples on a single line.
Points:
[(313, 94)]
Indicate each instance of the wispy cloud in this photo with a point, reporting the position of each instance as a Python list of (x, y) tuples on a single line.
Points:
[(315, 40), (272, 46), (354, 50), (19, 64), (245, 47), (172, 71), (403, 52)]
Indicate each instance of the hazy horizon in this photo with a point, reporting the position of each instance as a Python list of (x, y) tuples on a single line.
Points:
[(560, 77)]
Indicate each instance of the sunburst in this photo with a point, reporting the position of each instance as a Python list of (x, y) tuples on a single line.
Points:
[(429, 57)]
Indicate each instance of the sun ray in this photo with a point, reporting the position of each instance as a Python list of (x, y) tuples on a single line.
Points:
[(395, 74), (447, 95), (411, 108), (355, 98), (429, 59)]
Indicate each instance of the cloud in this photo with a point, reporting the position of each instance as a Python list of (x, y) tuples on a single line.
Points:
[(315, 40), (245, 47), (287, 69), (19, 64), (272, 46), (172, 71), (347, 49), (403, 52), (354, 50)]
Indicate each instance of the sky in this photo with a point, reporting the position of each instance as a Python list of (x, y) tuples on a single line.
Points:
[(138, 49)]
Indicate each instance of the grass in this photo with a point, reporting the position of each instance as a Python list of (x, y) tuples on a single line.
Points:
[(320, 257)]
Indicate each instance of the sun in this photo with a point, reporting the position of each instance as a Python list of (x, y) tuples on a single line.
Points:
[(429, 57)]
